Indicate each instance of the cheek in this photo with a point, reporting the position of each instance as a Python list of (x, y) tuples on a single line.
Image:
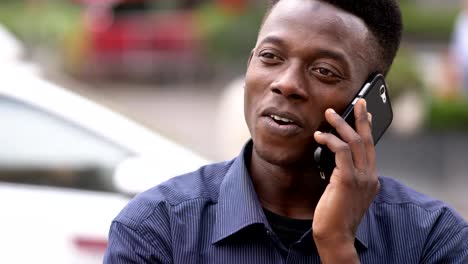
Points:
[(255, 87), (247, 106), (250, 101), (258, 76), (338, 99)]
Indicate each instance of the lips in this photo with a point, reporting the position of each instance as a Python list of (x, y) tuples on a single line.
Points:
[(281, 120), (281, 123), (282, 117)]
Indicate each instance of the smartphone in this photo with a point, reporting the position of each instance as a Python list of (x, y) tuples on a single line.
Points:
[(378, 104)]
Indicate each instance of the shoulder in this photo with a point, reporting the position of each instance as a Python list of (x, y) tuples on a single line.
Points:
[(434, 231), (202, 184), (393, 192), (401, 203), (143, 230)]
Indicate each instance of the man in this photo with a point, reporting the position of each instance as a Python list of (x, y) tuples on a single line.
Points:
[(269, 205)]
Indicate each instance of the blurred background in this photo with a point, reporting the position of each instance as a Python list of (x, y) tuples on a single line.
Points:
[(77, 71)]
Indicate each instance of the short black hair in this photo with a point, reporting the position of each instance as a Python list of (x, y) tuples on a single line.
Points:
[(383, 19)]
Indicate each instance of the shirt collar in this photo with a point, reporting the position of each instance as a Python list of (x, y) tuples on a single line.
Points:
[(238, 205)]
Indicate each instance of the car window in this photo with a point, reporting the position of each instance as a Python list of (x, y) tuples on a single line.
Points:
[(42, 149)]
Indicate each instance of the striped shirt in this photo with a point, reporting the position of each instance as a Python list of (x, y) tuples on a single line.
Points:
[(213, 215)]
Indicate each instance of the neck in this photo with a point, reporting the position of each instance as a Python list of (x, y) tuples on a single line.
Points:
[(291, 191)]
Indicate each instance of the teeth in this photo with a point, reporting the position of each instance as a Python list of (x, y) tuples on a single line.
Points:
[(279, 118)]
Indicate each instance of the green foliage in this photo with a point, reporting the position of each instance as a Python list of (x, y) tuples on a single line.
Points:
[(448, 115), (39, 23), (404, 74), (428, 22), (229, 38)]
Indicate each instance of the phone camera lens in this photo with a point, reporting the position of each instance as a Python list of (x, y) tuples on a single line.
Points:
[(382, 94), (382, 89)]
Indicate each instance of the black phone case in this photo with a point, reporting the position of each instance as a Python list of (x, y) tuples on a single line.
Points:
[(378, 104)]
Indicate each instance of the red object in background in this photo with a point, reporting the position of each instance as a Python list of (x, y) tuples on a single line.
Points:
[(171, 32), (141, 38), (132, 25), (90, 244)]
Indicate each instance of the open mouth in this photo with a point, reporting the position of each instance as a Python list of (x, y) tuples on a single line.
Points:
[(281, 120), (282, 124)]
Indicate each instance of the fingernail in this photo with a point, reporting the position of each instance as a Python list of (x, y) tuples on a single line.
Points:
[(331, 110), (317, 133)]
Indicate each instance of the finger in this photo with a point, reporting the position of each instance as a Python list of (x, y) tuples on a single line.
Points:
[(363, 120), (350, 136), (364, 129), (343, 156)]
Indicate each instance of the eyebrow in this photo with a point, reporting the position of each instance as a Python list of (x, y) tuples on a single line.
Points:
[(331, 54), (320, 52), (273, 40)]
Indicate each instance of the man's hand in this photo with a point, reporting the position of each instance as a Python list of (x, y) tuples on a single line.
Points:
[(352, 188)]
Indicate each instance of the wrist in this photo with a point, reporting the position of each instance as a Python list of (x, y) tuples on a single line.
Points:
[(338, 251)]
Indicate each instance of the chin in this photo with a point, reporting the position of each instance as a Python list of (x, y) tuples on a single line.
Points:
[(284, 156)]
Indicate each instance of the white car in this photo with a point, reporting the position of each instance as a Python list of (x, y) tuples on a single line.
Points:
[(67, 167)]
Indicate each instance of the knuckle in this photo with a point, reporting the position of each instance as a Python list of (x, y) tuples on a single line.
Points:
[(349, 180), (365, 179), (361, 178), (356, 140), (363, 118), (344, 148), (368, 140)]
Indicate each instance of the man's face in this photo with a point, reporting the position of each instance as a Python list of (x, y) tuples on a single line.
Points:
[(309, 56)]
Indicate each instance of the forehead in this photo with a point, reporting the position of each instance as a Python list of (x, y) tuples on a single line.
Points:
[(312, 22)]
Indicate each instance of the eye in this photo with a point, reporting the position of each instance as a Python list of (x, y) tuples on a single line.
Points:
[(269, 57), (324, 71)]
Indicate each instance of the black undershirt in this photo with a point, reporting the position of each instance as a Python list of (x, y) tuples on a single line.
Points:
[(288, 230)]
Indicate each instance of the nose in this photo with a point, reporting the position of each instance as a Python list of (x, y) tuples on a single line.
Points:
[(291, 83)]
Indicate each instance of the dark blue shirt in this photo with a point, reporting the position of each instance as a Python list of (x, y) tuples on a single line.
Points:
[(213, 215)]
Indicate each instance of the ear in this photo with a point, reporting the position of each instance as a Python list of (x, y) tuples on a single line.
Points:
[(250, 57)]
